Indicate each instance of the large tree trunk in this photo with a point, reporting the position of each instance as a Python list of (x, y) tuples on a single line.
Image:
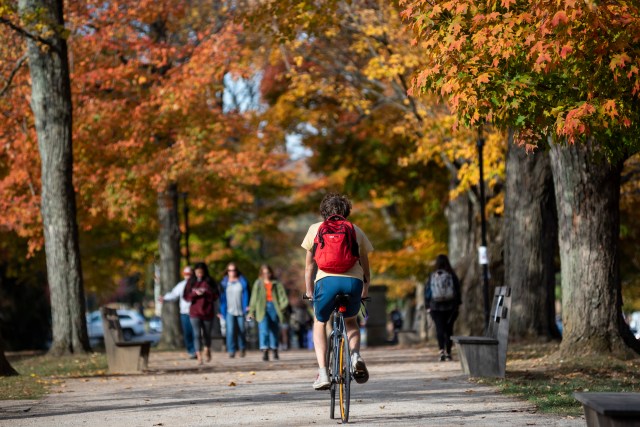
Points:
[(169, 247), (587, 196), (531, 238), (5, 367), (463, 240), (51, 105), (462, 228), (463, 216)]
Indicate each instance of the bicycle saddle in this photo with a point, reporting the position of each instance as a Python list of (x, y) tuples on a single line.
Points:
[(341, 300)]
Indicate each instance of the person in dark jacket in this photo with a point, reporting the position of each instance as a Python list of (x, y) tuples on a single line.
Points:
[(202, 292), (442, 299)]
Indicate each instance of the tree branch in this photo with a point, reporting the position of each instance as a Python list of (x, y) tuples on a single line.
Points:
[(25, 33), (13, 74)]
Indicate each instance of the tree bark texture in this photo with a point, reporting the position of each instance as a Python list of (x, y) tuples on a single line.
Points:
[(463, 217), (587, 197), (51, 105), (531, 238), (6, 369), (169, 248)]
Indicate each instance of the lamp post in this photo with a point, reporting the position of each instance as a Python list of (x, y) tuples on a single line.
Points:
[(482, 250), (185, 212)]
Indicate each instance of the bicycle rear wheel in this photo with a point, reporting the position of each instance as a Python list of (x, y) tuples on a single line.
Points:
[(344, 367), (332, 375)]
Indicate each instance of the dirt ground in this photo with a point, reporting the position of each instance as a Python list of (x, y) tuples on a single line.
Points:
[(408, 387)]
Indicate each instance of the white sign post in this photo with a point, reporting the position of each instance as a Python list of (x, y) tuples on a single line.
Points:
[(483, 258)]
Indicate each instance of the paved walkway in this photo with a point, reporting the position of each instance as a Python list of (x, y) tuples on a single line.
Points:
[(407, 388)]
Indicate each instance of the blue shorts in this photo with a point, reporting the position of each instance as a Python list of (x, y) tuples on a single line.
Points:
[(326, 290)]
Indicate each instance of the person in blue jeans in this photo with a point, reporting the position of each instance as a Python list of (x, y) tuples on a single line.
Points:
[(176, 294), (267, 305), (234, 303)]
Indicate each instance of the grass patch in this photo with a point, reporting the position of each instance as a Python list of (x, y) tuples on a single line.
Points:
[(39, 373), (535, 374)]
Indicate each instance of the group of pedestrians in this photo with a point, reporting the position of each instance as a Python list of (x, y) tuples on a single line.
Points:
[(266, 302), (336, 262)]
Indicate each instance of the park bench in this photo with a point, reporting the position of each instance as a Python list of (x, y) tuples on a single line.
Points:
[(610, 409), (486, 356), (122, 356)]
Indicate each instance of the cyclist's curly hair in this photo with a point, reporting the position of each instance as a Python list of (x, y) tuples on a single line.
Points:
[(335, 204)]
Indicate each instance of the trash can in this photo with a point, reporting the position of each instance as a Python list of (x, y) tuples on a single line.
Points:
[(377, 321)]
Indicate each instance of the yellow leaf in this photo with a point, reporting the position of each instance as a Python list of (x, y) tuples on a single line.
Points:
[(483, 78)]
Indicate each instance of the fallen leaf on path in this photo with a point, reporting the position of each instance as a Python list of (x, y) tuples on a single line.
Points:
[(252, 372), (232, 384), (382, 407), (469, 391), (283, 392)]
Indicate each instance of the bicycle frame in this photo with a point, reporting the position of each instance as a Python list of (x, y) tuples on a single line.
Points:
[(338, 356)]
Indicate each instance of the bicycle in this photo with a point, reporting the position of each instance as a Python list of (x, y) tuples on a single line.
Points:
[(339, 359)]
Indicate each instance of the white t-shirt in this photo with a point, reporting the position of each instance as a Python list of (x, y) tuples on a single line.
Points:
[(363, 243), (176, 293)]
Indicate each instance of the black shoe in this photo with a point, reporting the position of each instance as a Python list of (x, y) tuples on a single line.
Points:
[(265, 355), (232, 355), (275, 355), (243, 353), (448, 356), (442, 357), (360, 372)]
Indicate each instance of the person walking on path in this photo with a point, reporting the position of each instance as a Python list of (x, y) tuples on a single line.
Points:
[(177, 294), (234, 304), (268, 302), (301, 321), (202, 292), (442, 299), (354, 281)]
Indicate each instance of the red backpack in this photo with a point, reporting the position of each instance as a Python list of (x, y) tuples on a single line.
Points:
[(335, 247)]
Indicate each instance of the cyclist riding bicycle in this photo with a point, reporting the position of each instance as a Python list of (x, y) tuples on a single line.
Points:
[(338, 276)]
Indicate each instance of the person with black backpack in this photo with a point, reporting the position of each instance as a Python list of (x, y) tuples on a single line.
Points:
[(442, 299), (337, 261)]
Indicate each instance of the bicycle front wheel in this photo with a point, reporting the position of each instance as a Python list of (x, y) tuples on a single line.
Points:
[(344, 378)]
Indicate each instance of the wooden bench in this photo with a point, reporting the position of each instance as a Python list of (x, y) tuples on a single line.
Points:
[(610, 409), (486, 356), (122, 356)]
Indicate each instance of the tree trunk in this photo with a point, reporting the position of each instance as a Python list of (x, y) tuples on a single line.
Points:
[(587, 196), (51, 105), (463, 240), (530, 243), (462, 228), (6, 369), (169, 247)]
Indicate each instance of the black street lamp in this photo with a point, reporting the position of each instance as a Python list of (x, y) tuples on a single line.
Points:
[(185, 212), (482, 250)]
